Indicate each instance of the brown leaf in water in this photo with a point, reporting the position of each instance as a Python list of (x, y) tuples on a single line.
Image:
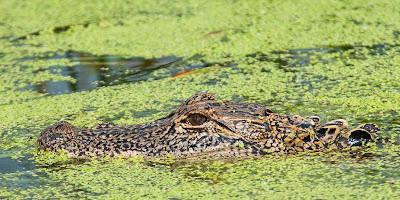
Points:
[(213, 33), (183, 73)]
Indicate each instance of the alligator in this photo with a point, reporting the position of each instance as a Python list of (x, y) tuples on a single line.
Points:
[(204, 127)]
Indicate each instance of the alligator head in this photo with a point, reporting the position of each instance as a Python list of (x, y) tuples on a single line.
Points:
[(204, 127)]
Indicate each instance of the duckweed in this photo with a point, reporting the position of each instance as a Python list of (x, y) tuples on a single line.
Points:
[(335, 59)]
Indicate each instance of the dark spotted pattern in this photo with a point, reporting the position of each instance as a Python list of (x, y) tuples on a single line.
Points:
[(203, 127)]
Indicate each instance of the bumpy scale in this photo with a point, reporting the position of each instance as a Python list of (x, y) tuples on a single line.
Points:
[(203, 127)]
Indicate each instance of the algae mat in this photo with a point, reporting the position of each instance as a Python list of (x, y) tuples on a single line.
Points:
[(131, 62)]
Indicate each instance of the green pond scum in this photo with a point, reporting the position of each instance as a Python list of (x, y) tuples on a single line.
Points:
[(335, 59)]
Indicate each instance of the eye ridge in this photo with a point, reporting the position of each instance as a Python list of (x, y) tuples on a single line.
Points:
[(196, 119)]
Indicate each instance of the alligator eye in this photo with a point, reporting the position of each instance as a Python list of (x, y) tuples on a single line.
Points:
[(196, 119)]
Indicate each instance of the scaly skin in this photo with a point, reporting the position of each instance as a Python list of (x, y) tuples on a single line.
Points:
[(203, 127)]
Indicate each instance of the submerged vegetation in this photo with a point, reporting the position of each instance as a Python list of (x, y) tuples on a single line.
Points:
[(131, 62)]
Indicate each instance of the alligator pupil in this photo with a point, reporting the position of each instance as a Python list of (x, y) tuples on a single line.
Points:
[(196, 119)]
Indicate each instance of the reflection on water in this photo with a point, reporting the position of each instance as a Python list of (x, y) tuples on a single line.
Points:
[(97, 71), (92, 71)]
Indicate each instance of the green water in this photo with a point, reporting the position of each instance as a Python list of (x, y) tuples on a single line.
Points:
[(96, 61)]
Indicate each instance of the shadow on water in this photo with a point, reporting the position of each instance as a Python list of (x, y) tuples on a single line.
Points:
[(56, 29)]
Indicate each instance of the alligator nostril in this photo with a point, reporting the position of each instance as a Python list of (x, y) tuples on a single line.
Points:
[(316, 119), (331, 131), (268, 111)]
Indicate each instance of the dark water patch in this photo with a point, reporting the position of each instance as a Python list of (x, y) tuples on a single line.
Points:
[(21, 171), (396, 34), (9, 165), (55, 30), (93, 71), (291, 59), (5, 37)]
